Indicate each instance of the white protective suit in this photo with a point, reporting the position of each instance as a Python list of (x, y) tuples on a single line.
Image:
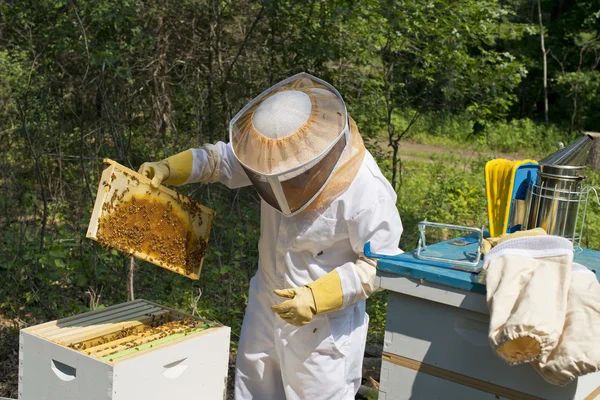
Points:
[(323, 359)]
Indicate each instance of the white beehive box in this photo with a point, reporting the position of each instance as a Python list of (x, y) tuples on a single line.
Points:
[(70, 359)]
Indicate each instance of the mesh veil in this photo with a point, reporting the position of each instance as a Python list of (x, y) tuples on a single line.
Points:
[(306, 150), (267, 155)]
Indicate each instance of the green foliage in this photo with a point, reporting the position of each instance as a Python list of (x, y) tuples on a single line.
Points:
[(572, 40), (377, 310), (591, 231), (522, 136), (525, 135), (584, 88), (442, 191)]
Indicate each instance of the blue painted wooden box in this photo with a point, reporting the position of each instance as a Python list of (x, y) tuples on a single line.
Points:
[(436, 345)]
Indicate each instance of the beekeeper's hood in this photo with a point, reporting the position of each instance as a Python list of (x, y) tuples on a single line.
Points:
[(290, 139)]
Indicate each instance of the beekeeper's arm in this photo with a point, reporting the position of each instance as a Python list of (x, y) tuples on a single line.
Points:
[(379, 225), (354, 281), (209, 164)]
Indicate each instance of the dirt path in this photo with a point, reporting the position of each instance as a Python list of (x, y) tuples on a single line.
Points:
[(422, 152)]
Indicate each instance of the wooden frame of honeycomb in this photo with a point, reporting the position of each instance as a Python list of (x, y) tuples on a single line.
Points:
[(157, 225)]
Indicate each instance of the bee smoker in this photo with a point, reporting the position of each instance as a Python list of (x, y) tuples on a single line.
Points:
[(554, 201)]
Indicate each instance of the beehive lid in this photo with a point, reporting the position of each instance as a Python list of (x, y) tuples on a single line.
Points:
[(120, 332), (157, 225)]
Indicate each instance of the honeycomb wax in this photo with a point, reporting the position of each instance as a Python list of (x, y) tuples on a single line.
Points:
[(150, 226)]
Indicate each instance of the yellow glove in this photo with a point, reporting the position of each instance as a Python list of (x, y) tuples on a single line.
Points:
[(323, 295), (174, 170), (487, 244)]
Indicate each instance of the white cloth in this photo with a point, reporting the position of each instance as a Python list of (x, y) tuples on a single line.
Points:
[(323, 359), (578, 351), (217, 163), (527, 281), (544, 309), (366, 268)]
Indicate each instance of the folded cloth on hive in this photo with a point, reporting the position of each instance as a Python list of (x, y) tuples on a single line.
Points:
[(527, 282), (540, 311)]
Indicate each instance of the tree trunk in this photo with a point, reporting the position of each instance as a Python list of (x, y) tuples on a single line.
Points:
[(130, 294), (574, 113), (395, 147), (595, 155), (544, 54), (40, 179), (162, 97)]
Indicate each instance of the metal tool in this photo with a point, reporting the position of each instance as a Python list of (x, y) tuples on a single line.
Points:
[(554, 201), (553, 204), (558, 211), (575, 154)]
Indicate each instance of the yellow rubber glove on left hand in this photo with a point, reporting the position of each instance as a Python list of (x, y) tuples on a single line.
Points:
[(323, 295), (174, 170)]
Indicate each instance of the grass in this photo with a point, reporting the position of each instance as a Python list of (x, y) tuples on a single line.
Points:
[(514, 136)]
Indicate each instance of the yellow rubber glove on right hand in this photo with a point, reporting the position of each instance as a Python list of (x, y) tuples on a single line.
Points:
[(488, 243), (318, 297), (174, 170), (301, 307)]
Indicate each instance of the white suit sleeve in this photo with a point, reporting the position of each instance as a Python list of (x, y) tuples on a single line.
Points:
[(217, 163), (380, 225)]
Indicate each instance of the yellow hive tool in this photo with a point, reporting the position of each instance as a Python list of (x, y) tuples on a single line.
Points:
[(506, 183)]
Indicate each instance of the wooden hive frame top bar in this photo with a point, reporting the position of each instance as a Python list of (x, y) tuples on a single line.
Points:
[(123, 330)]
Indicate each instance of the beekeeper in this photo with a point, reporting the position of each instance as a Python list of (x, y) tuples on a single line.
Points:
[(323, 197)]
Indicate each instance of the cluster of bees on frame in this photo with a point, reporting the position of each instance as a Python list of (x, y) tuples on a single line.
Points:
[(147, 224)]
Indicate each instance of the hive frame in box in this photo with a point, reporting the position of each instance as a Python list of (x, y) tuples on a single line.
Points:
[(113, 179), (182, 368)]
